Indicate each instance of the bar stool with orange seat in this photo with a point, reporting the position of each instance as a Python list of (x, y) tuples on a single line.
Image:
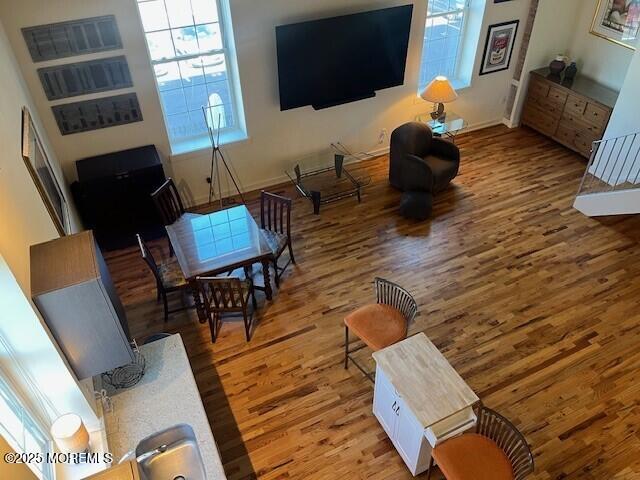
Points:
[(497, 451), (381, 324)]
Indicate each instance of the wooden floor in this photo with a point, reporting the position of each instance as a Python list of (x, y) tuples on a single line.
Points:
[(535, 305)]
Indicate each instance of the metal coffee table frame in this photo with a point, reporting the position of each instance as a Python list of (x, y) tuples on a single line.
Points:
[(315, 196)]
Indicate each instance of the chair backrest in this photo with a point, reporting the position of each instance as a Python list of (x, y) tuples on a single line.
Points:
[(148, 258), (412, 138), (168, 202), (275, 213), (392, 294), (494, 426), (222, 294)]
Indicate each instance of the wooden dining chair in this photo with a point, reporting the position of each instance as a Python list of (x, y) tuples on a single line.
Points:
[(227, 295), (381, 324), (496, 451), (168, 202), (168, 276), (275, 221)]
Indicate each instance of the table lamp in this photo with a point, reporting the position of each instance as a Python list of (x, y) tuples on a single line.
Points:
[(439, 91), (70, 434)]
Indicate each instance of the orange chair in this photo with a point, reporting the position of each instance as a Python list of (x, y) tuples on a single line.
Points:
[(497, 451), (381, 324)]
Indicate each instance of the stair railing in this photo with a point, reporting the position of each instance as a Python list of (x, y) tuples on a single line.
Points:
[(614, 164)]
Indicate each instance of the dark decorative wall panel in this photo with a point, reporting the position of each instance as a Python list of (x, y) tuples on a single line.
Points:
[(75, 37), (98, 113), (85, 77)]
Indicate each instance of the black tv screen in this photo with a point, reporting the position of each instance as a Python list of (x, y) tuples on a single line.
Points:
[(337, 60)]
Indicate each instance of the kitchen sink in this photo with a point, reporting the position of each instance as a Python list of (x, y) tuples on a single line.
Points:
[(171, 454)]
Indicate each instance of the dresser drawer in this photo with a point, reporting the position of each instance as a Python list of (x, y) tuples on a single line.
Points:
[(579, 124), (566, 134), (596, 115), (557, 96), (547, 106), (539, 120), (583, 142), (538, 88), (575, 105)]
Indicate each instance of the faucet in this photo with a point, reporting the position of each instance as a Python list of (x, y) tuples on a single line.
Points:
[(151, 453), (141, 458)]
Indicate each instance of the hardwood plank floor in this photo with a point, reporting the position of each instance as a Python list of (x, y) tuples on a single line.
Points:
[(533, 303)]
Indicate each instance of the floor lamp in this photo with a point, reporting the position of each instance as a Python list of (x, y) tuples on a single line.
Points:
[(217, 157)]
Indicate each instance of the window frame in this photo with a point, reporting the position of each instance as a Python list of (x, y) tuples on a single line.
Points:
[(29, 424), (457, 80), (200, 140)]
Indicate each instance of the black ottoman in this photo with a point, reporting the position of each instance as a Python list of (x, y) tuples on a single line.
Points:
[(416, 205)]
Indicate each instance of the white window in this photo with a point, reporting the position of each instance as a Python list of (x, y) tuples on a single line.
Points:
[(443, 41), (191, 47), (22, 433)]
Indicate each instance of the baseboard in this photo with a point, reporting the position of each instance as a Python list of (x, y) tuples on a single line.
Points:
[(508, 123), (279, 180), (481, 125)]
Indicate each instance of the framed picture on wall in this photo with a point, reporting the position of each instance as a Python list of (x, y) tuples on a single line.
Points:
[(37, 162), (499, 47), (617, 21)]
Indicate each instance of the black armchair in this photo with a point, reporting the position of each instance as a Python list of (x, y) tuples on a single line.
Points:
[(420, 165)]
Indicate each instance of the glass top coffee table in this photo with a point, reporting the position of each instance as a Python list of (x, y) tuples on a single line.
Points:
[(322, 185), (451, 125)]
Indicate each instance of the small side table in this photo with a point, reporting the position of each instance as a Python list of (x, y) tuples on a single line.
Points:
[(451, 125)]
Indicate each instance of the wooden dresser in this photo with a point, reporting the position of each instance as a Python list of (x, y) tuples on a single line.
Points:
[(574, 114)]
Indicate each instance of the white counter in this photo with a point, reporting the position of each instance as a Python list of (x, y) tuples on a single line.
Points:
[(167, 395)]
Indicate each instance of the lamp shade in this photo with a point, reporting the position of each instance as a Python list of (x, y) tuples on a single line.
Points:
[(70, 434), (439, 90)]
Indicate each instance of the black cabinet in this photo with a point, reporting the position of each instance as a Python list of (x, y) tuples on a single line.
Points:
[(113, 196)]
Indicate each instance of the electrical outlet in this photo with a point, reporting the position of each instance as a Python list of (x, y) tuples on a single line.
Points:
[(383, 136)]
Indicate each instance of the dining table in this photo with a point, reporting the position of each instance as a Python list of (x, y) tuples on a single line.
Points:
[(217, 243)]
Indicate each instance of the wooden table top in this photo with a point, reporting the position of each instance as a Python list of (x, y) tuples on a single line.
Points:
[(217, 242), (424, 379)]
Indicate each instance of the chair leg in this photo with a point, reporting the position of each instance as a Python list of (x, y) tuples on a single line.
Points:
[(247, 324), (213, 320), (254, 302), (166, 307), (293, 259), (277, 273), (430, 468), (346, 347)]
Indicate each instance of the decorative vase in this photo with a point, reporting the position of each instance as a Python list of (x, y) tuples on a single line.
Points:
[(571, 71), (558, 65)]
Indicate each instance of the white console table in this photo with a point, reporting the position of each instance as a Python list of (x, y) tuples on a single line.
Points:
[(419, 399)]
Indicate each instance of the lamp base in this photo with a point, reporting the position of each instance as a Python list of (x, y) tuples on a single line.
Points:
[(438, 112)]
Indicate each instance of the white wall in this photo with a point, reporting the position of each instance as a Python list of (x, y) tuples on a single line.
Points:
[(280, 139), (277, 139), (596, 57), (551, 34), (618, 161), (18, 14), (24, 221), (625, 118)]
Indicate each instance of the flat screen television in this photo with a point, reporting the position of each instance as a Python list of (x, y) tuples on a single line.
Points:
[(337, 60)]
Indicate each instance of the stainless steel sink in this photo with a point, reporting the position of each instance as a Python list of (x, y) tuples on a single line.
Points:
[(171, 454)]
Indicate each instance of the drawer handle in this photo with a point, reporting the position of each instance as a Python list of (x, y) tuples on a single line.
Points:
[(393, 407)]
